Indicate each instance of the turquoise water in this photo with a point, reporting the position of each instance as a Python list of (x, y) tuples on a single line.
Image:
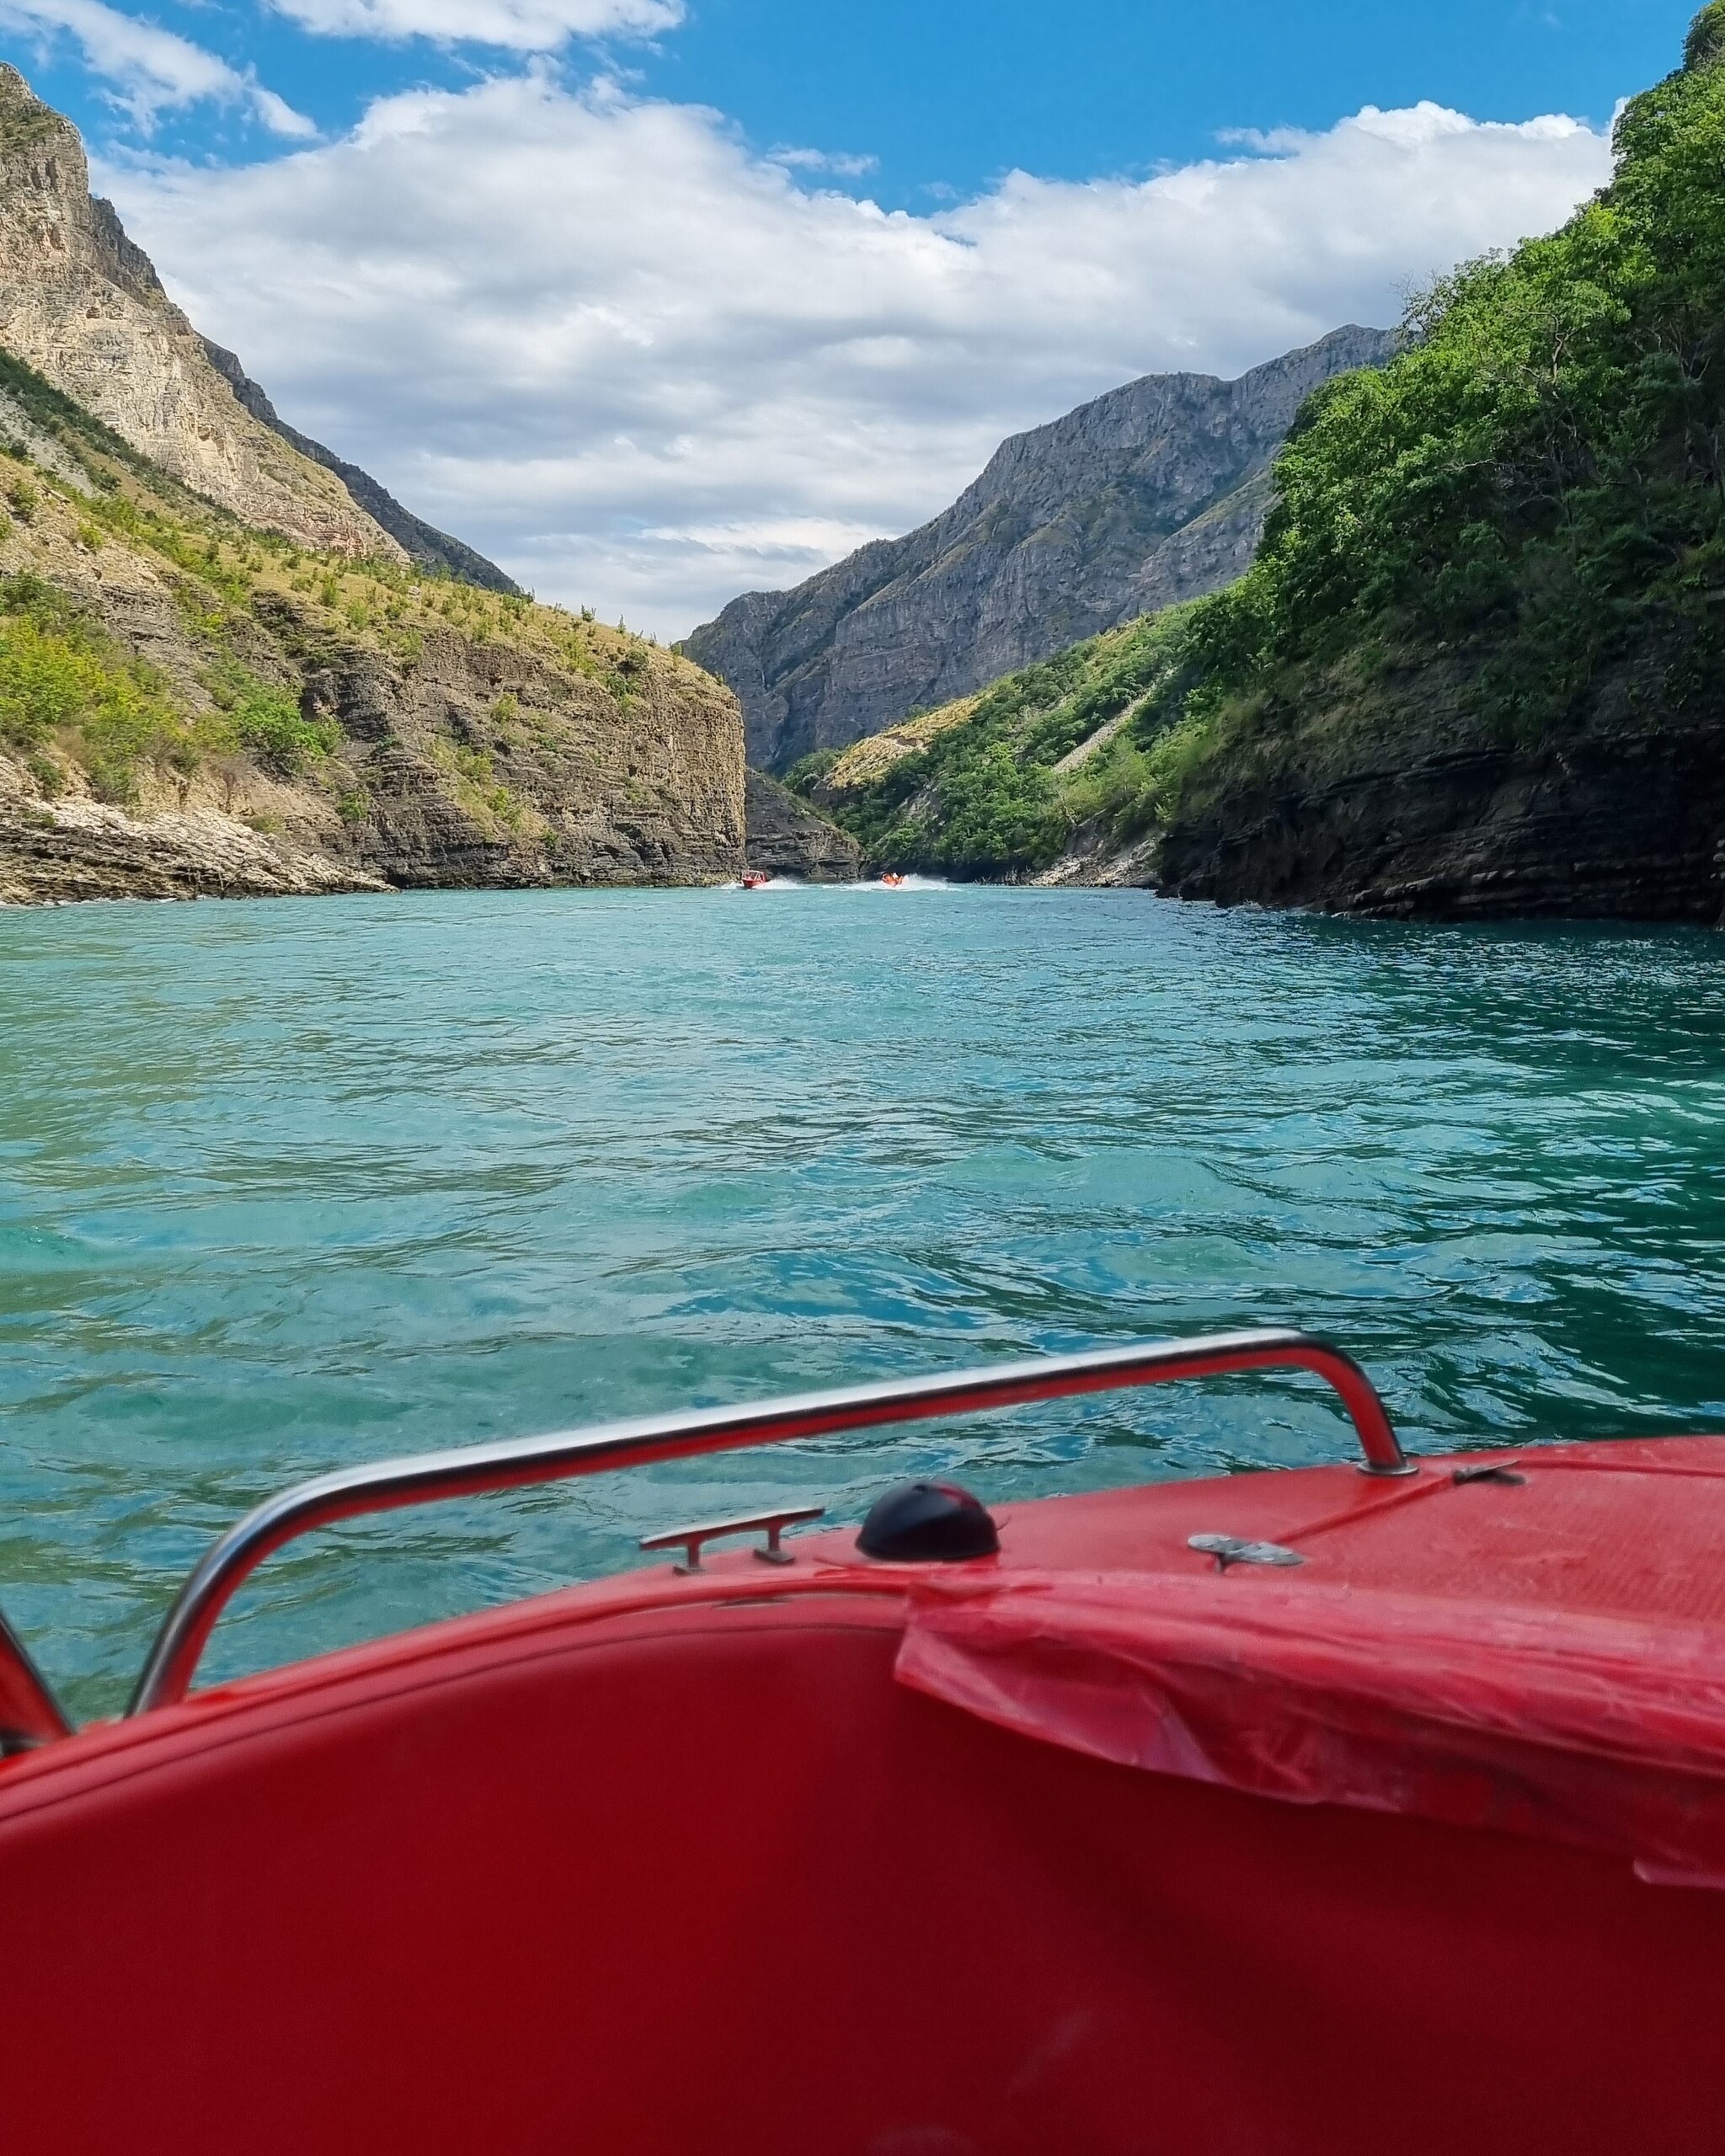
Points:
[(286, 1185)]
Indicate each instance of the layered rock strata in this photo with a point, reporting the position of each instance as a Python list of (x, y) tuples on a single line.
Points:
[(221, 671), (54, 852), (786, 837), (1621, 817), (412, 732)]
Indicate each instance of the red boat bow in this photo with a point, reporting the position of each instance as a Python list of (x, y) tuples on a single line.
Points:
[(1302, 1814)]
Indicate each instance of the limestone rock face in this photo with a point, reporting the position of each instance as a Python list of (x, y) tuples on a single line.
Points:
[(1152, 494), (81, 304), (481, 765), (484, 764), (786, 837), (53, 852)]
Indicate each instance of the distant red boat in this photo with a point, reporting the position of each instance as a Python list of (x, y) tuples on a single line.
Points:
[(1302, 1814), (755, 880)]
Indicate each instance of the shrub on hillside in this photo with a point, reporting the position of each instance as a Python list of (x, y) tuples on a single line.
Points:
[(1538, 483), (60, 676)]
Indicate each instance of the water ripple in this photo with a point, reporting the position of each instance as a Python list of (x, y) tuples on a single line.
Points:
[(288, 1185)]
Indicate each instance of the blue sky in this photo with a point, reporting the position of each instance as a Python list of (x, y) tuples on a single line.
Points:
[(945, 95), (659, 300), (954, 92)]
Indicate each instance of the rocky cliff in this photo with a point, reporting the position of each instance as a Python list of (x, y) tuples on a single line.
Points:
[(1383, 792), (1152, 494), (85, 308), (223, 667), (786, 837), (189, 705), (1406, 807)]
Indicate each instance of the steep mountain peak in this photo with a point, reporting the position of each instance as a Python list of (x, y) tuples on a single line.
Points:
[(1152, 494), (82, 304)]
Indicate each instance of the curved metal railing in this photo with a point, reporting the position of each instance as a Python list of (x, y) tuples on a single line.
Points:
[(516, 1463), (29, 1713)]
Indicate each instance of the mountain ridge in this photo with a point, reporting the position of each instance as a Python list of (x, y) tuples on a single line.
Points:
[(1150, 494), (81, 303), (1477, 670), (420, 541)]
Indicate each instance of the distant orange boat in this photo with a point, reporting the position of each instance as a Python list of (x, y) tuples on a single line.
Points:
[(892, 880)]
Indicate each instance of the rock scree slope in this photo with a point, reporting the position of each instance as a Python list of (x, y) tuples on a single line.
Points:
[(1151, 494)]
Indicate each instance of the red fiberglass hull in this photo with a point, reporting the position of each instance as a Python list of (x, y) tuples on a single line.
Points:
[(1091, 1847)]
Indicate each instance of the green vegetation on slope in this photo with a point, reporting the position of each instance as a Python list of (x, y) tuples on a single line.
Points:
[(991, 787), (1527, 504), (60, 675), (1531, 497), (64, 680), (82, 515)]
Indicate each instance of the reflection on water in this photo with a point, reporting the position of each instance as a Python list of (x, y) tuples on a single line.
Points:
[(288, 1185)]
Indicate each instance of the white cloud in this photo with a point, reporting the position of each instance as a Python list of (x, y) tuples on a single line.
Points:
[(519, 25), (846, 163), (597, 337), (152, 70)]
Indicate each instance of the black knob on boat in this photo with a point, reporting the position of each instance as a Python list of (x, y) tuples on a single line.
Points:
[(928, 1523)]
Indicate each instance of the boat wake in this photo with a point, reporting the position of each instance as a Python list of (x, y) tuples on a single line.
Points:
[(876, 883)]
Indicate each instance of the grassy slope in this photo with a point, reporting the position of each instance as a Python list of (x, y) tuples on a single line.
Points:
[(996, 784), (83, 710)]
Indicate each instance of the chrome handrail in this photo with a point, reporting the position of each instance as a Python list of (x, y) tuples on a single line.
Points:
[(517, 1463), (29, 1713)]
